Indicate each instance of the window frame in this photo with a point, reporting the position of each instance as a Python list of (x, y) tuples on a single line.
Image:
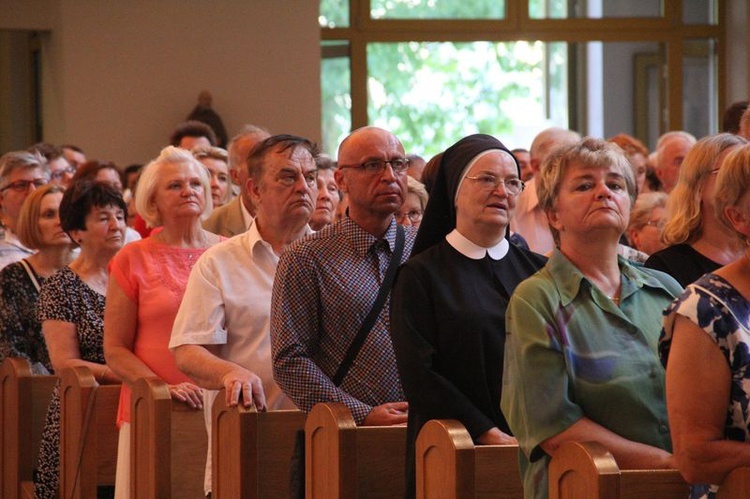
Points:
[(670, 30)]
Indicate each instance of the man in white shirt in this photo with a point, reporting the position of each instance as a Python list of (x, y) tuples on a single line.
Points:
[(671, 150), (236, 216), (220, 336), (530, 221)]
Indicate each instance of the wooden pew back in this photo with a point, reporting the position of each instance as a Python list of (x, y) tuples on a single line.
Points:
[(450, 465), (168, 444), (343, 460), (586, 470), (24, 399), (251, 451), (88, 433)]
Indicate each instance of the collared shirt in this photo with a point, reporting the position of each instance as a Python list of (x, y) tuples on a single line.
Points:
[(325, 286), (227, 303), (571, 352), (247, 218), (471, 250), (531, 222), (11, 249)]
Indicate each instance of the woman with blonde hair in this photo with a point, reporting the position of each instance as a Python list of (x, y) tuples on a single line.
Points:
[(696, 241), (216, 160), (704, 346), (38, 229)]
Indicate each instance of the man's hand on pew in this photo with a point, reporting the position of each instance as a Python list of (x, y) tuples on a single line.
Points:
[(392, 413), (241, 382)]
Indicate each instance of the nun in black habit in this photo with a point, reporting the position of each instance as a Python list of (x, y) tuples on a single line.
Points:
[(448, 303)]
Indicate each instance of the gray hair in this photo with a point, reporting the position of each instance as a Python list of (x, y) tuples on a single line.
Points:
[(16, 160), (236, 161)]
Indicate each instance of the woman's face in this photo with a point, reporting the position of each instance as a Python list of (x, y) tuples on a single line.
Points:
[(219, 173), (708, 192), (179, 192), (105, 229), (411, 211), (484, 208), (648, 237), (327, 200), (49, 221), (591, 201)]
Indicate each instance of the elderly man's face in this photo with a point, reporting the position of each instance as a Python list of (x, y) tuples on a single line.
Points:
[(670, 161), (16, 188), (286, 194), (376, 195)]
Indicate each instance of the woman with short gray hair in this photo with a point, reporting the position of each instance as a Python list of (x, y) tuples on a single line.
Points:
[(580, 353)]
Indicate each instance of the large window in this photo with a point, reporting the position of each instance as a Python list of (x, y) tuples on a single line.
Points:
[(433, 71)]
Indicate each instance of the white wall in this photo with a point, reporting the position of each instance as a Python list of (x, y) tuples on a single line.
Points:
[(119, 75)]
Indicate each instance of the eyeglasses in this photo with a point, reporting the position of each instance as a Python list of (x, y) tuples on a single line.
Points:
[(23, 185), (513, 186), (659, 224), (414, 216), (374, 167), (59, 174)]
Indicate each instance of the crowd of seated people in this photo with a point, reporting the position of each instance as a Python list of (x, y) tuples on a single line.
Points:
[(267, 269)]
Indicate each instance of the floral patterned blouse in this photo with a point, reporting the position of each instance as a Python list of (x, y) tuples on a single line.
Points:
[(715, 306)]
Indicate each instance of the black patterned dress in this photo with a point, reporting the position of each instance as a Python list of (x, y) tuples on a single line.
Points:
[(65, 297), (20, 331)]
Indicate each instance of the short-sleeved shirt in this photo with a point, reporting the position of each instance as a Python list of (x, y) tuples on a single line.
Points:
[(227, 303), (153, 276), (715, 306), (324, 288), (571, 353)]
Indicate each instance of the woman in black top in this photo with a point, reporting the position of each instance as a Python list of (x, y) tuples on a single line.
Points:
[(448, 303), (697, 242)]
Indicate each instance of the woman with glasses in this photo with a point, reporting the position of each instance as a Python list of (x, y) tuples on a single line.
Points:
[(580, 356), (39, 229), (696, 241), (448, 302), (20, 173), (647, 222), (412, 210)]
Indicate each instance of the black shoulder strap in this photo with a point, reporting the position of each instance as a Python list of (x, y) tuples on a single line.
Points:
[(372, 316)]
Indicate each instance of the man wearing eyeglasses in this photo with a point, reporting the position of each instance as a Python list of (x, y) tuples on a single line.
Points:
[(20, 173), (327, 284)]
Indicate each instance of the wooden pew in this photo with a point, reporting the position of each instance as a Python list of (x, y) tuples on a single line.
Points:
[(88, 433), (251, 450), (449, 465), (24, 399), (736, 485), (343, 460), (168, 444), (586, 470)]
